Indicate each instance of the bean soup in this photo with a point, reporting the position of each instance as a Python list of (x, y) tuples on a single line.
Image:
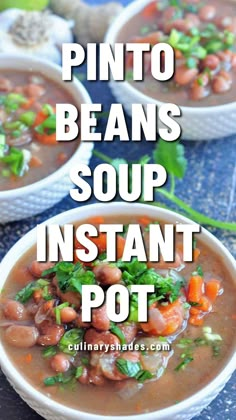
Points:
[(186, 341), (202, 34), (28, 147)]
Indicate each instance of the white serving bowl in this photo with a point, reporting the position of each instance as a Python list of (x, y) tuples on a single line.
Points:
[(53, 410), (32, 199), (200, 123)]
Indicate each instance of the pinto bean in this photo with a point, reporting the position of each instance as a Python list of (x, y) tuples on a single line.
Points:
[(72, 297), (107, 274), (184, 75), (34, 91), (60, 363), (14, 310), (21, 336), (221, 83), (225, 56), (198, 92), (51, 335), (5, 85), (96, 377), (84, 378), (94, 337), (207, 13), (169, 13), (68, 315), (182, 25), (211, 61), (194, 19), (225, 22), (80, 323), (32, 308), (37, 268), (100, 320), (226, 75), (129, 330)]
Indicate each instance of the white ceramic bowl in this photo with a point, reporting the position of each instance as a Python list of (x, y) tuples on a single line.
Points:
[(52, 410), (32, 199), (202, 123)]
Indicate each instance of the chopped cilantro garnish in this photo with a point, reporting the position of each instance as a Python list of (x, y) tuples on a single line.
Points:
[(26, 293), (71, 276), (79, 371), (135, 272), (71, 337), (133, 370), (49, 352), (184, 363), (118, 332), (60, 378)]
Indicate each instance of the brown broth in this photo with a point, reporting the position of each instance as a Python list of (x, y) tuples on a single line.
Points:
[(173, 386), (168, 91), (48, 154)]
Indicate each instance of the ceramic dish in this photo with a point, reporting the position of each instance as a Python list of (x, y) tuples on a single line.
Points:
[(52, 410), (32, 199), (197, 123)]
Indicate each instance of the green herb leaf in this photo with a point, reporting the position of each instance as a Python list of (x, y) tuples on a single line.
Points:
[(25, 294), (73, 336), (128, 368), (118, 332), (60, 378), (171, 156), (2, 144), (214, 46), (28, 118), (200, 271), (49, 352), (85, 361), (143, 375), (79, 372), (15, 160), (191, 63), (133, 370), (48, 124), (71, 276), (184, 363)]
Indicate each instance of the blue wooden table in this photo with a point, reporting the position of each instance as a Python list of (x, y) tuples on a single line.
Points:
[(209, 186)]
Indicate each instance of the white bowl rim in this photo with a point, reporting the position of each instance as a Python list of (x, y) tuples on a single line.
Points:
[(51, 178), (71, 216), (110, 37)]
